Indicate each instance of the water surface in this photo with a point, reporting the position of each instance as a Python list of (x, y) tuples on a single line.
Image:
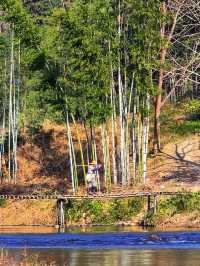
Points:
[(113, 247), (118, 240), (114, 257)]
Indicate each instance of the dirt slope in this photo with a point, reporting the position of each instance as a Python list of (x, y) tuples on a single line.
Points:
[(178, 166), (28, 213), (43, 169)]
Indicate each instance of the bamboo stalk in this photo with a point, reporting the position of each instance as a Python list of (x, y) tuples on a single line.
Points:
[(105, 157), (145, 139), (96, 160), (112, 97), (81, 149), (70, 153), (10, 120), (108, 159)]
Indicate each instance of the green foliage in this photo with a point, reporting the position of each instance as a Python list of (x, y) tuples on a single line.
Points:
[(120, 210), (33, 114), (193, 106), (186, 128), (78, 44), (71, 52), (174, 205), (41, 8), (181, 203), (37, 108), (22, 23), (144, 42), (99, 212), (77, 210), (2, 203), (173, 127), (85, 46)]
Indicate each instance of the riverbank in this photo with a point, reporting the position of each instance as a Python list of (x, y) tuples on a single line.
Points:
[(174, 211), (181, 210), (41, 229), (26, 212)]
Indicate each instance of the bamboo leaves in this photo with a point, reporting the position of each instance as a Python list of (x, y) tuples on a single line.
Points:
[(96, 60)]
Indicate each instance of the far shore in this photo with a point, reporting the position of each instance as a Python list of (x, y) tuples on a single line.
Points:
[(122, 226)]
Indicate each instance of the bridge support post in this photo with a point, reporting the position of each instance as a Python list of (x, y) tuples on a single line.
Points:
[(61, 214), (148, 203), (155, 203)]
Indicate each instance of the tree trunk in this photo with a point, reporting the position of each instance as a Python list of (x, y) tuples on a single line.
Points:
[(156, 144), (158, 98)]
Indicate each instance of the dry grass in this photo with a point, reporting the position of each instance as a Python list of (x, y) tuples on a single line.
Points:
[(28, 213)]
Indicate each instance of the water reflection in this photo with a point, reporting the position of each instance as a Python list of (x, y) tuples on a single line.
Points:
[(85, 229), (52, 257), (27, 229)]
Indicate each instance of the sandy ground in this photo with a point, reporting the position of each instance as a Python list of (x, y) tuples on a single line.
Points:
[(28, 213), (177, 167)]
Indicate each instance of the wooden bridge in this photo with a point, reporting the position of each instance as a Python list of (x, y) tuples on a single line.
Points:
[(97, 196), (63, 199)]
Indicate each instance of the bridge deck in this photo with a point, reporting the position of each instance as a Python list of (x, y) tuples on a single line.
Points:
[(98, 196)]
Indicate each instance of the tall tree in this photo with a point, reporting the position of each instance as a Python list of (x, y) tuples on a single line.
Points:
[(179, 59)]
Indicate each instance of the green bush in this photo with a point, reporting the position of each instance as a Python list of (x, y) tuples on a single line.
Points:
[(193, 107), (181, 203), (39, 107), (76, 210), (174, 128), (123, 210), (2, 202), (103, 212), (186, 128), (118, 210), (174, 205), (136, 205)]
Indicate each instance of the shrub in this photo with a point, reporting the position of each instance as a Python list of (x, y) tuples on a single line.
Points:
[(2, 202), (103, 212), (174, 205), (193, 107), (181, 203), (186, 128)]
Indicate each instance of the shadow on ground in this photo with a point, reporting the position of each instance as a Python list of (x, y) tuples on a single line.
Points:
[(180, 162)]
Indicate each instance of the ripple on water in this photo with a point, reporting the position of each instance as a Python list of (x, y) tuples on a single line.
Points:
[(103, 241)]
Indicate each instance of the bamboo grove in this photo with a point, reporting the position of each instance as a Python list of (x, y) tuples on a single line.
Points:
[(10, 70), (107, 66)]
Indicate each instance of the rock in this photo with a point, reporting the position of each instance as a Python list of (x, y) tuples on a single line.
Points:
[(154, 237)]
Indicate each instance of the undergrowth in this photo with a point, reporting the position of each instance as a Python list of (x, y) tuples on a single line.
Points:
[(107, 212), (187, 128), (182, 203), (2, 202), (176, 128)]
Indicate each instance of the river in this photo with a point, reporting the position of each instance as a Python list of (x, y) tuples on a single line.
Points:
[(99, 246)]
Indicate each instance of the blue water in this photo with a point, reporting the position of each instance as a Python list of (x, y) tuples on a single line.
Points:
[(115, 248), (100, 241)]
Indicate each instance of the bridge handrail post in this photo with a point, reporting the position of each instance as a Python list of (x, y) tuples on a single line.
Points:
[(148, 202), (155, 203), (60, 214)]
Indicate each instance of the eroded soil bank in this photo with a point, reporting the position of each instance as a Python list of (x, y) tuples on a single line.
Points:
[(43, 169)]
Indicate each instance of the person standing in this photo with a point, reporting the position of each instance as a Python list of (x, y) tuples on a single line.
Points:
[(91, 176)]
